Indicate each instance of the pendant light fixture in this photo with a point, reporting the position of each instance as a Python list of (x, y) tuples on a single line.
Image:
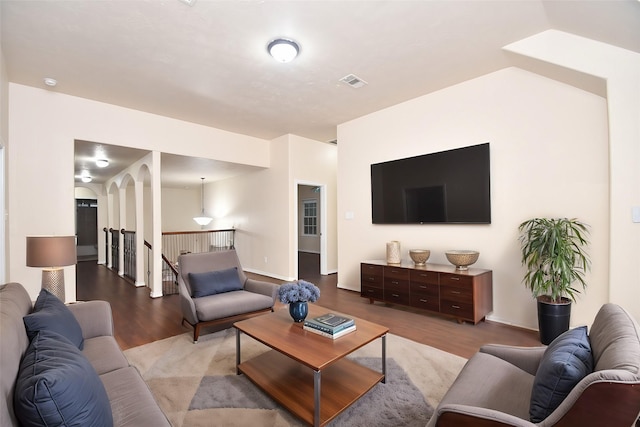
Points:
[(202, 219)]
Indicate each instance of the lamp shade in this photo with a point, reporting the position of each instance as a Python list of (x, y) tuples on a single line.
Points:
[(51, 251)]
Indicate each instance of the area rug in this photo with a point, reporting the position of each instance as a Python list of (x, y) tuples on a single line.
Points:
[(196, 384)]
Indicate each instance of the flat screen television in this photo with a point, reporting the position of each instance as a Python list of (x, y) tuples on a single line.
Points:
[(450, 187)]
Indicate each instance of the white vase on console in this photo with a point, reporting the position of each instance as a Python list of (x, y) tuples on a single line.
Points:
[(393, 252)]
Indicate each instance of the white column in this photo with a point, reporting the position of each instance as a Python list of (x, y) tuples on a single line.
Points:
[(123, 226), (139, 192), (156, 203)]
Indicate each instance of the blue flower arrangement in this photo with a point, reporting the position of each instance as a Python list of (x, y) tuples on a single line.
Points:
[(298, 291)]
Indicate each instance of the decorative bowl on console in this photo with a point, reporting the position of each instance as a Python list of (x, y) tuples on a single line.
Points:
[(462, 259), (419, 256)]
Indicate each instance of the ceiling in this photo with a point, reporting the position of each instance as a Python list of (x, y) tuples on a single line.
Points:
[(207, 63)]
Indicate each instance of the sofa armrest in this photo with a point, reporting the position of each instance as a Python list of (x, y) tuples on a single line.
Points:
[(260, 287), (463, 415), (525, 358), (94, 317)]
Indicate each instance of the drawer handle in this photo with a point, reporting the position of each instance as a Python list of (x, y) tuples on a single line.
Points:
[(371, 279), (423, 300), (423, 287), (424, 275), (454, 278), (370, 290), (457, 307), (395, 295), (394, 282), (455, 292)]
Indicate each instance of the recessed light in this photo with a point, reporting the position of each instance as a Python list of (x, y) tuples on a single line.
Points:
[(50, 82), (283, 50)]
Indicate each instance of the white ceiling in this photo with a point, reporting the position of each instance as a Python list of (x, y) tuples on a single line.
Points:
[(208, 64)]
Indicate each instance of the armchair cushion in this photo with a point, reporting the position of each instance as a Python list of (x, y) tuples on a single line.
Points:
[(214, 282), (57, 386), (49, 313), (564, 364)]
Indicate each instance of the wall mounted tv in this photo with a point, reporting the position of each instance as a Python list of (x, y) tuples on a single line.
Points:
[(450, 187)]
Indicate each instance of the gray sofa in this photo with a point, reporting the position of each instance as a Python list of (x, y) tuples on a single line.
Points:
[(131, 401), (496, 385)]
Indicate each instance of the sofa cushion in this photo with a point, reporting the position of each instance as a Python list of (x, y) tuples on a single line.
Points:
[(564, 364), (104, 354), (132, 403), (49, 313), (57, 386), (214, 282)]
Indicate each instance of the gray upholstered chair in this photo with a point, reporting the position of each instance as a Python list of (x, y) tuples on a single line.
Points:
[(495, 386), (214, 290)]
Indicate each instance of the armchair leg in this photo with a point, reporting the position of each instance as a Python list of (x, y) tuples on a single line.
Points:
[(196, 333)]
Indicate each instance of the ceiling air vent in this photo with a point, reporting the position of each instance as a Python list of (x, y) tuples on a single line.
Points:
[(353, 81)]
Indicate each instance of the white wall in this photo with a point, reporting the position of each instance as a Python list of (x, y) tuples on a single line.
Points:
[(42, 128), (549, 151), (261, 205), (4, 140), (620, 69), (179, 206)]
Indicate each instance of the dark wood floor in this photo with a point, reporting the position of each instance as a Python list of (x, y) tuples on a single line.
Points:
[(139, 319)]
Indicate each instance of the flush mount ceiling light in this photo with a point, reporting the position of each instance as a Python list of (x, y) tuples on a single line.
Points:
[(283, 50), (85, 177), (50, 82), (202, 219), (102, 163)]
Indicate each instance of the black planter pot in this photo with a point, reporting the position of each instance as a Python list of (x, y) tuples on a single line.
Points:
[(553, 319)]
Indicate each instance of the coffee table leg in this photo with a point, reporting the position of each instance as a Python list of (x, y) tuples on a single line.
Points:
[(237, 351), (316, 398), (384, 358)]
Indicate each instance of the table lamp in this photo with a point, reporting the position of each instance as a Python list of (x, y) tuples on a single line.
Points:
[(52, 253)]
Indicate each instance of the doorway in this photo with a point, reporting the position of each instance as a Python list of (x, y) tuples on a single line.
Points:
[(310, 231), (87, 229)]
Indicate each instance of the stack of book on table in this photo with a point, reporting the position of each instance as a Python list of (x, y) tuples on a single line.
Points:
[(330, 325)]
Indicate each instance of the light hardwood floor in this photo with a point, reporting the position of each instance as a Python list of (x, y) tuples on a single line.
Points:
[(140, 319)]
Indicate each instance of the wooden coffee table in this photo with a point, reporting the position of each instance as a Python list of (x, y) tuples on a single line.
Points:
[(307, 373)]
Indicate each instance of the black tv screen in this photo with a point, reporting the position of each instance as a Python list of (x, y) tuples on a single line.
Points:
[(452, 186)]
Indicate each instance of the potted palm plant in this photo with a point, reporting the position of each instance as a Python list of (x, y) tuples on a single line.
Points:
[(553, 250)]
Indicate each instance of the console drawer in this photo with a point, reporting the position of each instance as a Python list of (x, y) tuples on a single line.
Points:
[(454, 294), (455, 280), (396, 297), (396, 273), (371, 292), (425, 302), (458, 309), (424, 277), (396, 285), (425, 289), (371, 275)]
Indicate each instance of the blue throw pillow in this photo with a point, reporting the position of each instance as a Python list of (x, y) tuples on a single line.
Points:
[(565, 363), (57, 386), (214, 282), (49, 313)]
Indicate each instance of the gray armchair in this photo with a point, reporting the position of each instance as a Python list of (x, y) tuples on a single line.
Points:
[(214, 290), (495, 386)]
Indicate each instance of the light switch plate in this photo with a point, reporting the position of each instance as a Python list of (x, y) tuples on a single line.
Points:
[(635, 214)]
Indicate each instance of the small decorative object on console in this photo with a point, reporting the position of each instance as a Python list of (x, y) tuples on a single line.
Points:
[(393, 252), (419, 256), (462, 259)]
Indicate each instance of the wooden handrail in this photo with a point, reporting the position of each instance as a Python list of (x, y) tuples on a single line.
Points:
[(164, 258), (169, 233)]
